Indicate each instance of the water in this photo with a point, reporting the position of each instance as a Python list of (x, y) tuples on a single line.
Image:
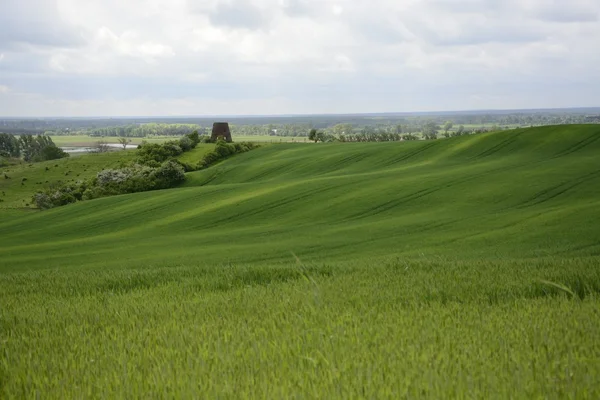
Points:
[(77, 150)]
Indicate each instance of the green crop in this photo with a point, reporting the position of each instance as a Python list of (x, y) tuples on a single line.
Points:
[(459, 268)]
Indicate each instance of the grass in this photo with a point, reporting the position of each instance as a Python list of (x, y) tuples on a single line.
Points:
[(195, 155), (270, 139), (27, 178), (84, 140), (465, 267)]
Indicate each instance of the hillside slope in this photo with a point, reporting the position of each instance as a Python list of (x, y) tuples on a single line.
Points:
[(19, 182), (515, 194), (455, 268)]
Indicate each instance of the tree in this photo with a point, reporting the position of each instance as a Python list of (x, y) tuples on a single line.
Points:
[(430, 130), (312, 135), (460, 131), (101, 146), (124, 142), (194, 137), (9, 146), (39, 148), (342, 129), (447, 126), (52, 153)]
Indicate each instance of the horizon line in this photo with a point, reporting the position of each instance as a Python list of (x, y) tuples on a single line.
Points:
[(438, 112)]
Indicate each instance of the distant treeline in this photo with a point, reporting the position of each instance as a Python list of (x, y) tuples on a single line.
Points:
[(140, 130), (294, 125), (384, 132), (30, 148)]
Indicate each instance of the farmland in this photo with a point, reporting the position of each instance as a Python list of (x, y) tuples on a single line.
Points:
[(465, 267), (85, 141)]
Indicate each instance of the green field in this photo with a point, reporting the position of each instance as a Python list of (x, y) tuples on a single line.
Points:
[(25, 179), (83, 140), (269, 139), (458, 268)]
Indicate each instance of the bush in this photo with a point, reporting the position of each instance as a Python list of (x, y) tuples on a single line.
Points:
[(168, 175), (59, 194), (222, 151), (195, 138), (155, 169), (110, 182), (136, 178), (39, 148), (186, 144), (153, 154), (50, 152)]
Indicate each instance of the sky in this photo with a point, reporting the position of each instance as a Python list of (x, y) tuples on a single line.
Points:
[(268, 57)]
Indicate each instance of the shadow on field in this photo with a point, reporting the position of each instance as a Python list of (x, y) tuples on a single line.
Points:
[(210, 279)]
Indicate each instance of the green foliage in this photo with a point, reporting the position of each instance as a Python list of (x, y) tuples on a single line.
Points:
[(195, 138), (41, 175), (186, 144), (153, 154), (447, 126), (39, 148), (9, 146), (59, 194), (124, 141), (460, 131), (169, 174), (155, 169), (190, 159), (145, 130), (430, 130), (111, 182), (224, 150), (51, 152)]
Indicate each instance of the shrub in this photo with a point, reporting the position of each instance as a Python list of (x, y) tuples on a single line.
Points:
[(59, 194), (155, 169), (223, 150), (168, 175), (186, 144), (154, 154), (194, 137)]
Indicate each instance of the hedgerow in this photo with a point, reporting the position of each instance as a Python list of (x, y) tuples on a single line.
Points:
[(222, 151), (154, 168)]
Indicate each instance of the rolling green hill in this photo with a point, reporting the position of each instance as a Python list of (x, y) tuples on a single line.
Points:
[(450, 268), (18, 182), (518, 194)]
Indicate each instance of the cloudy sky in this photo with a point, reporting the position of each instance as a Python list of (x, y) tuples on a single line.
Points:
[(224, 57)]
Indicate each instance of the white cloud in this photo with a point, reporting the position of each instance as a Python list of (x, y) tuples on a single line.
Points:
[(237, 56)]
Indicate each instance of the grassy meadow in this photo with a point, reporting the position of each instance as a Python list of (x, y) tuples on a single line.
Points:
[(84, 140), (457, 268), (18, 182)]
